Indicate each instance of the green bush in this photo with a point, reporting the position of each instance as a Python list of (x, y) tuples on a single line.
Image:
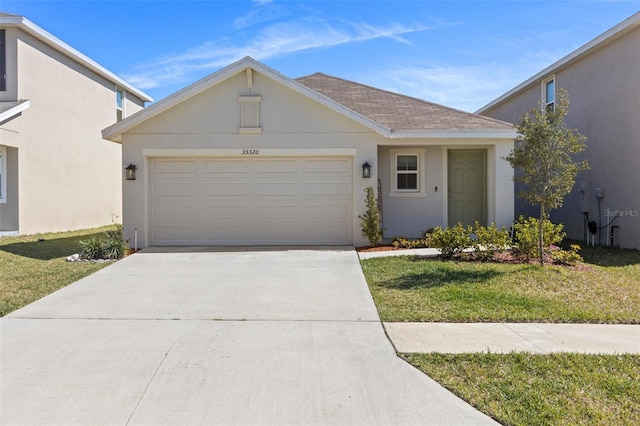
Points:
[(371, 227), (526, 236), (91, 249), (490, 241), (452, 241), (567, 257), (110, 247), (402, 242)]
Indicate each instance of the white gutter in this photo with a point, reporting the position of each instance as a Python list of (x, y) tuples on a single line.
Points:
[(10, 113)]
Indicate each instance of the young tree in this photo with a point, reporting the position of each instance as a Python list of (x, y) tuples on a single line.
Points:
[(371, 228), (543, 152)]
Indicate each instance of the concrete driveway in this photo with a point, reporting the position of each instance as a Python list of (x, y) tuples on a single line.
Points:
[(212, 336)]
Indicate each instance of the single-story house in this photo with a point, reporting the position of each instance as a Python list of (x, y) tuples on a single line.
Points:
[(57, 173), (248, 156)]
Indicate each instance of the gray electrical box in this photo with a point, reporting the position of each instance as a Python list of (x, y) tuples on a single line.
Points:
[(598, 191)]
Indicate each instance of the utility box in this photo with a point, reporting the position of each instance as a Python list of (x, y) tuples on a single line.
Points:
[(584, 196)]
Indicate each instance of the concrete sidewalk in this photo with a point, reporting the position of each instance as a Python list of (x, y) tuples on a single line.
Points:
[(540, 338)]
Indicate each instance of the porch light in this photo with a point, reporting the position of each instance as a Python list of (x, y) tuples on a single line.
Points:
[(131, 172), (366, 170)]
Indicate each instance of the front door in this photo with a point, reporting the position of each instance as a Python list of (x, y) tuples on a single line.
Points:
[(467, 175)]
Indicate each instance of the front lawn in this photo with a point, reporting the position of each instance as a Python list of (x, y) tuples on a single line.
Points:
[(556, 389), (33, 266), (605, 290)]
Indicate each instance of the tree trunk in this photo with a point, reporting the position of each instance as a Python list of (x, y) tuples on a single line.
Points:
[(541, 235)]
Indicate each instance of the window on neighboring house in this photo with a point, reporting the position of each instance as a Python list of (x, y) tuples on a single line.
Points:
[(407, 171), (3, 174), (3, 61), (549, 88), (119, 104)]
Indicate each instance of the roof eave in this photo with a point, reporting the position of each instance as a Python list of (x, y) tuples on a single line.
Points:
[(608, 36), (454, 134), (59, 45), (9, 114)]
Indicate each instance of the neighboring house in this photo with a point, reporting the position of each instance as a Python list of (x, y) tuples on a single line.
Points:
[(248, 156), (603, 81), (56, 171)]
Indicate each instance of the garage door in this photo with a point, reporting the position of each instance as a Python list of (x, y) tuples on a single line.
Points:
[(251, 201)]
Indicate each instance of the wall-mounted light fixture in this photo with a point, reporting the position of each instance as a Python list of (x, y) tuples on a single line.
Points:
[(366, 170), (130, 172)]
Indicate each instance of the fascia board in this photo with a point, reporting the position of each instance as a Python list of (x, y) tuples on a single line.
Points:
[(59, 45), (454, 134), (594, 44), (14, 111)]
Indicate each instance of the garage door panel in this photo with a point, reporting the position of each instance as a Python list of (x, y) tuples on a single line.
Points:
[(326, 188), (225, 166), (244, 201), (328, 166), (226, 188), (276, 188), (175, 166), (276, 166), (175, 189)]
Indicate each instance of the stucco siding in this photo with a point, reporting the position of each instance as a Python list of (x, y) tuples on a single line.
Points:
[(604, 91), (70, 177)]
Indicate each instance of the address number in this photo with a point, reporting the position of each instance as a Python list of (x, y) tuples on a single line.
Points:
[(250, 151)]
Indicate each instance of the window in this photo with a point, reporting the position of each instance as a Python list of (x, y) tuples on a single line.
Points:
[(3, 174), (407, 172), (3, 61), (119, 104), (407, 169), (549, 94)]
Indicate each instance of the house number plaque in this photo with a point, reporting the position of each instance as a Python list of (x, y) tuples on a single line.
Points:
[(250, 152)]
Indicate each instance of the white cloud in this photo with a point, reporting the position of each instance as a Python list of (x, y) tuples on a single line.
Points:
[(272, 41), (261, 11)]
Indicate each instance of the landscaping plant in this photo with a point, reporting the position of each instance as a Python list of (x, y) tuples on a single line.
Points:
[(371, 220), (543, 154), (489, 241), (452, 241), (527, 239)]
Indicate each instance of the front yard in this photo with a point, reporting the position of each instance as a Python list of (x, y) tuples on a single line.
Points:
[(33, 266), (518, 388)]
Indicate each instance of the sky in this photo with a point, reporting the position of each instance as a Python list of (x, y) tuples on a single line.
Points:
[(462, 54)]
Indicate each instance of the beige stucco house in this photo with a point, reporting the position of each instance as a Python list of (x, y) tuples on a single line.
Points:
[(56, 171), (249, 156), (603, 81)]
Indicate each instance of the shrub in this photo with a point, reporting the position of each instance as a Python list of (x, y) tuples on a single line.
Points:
[(567, 257), (110, 247), (91, 249), (490, 240), (402, 242), (526, 236), (451, 241), (371, 228)]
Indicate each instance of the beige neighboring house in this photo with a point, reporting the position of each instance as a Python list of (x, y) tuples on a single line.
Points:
[(56, 171), (248, 156), (603, 81)]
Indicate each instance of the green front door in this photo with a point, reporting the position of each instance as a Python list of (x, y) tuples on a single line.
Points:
[(467, 174)]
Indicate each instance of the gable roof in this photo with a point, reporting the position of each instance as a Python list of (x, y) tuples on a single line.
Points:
[(7, 20), (398, 112), (354, 109), (599, 42)]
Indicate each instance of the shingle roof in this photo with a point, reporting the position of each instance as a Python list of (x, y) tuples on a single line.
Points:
[(396, 111)]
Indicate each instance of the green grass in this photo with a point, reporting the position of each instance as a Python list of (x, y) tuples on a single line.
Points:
[(410, 288), (557, 389), (31, 269)]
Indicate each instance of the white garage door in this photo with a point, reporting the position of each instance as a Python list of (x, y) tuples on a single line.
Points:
[(251, 201)]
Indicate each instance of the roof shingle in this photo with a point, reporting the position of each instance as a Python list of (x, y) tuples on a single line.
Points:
[(396, 111)]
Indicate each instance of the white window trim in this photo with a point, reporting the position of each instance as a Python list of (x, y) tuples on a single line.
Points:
[(393, 173), (545, 103), (3, 174), (124, 100)]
